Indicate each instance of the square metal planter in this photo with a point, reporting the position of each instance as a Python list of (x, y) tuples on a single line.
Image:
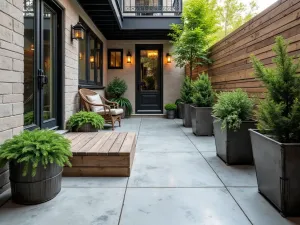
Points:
[(187, 118), (180, 110), (202, 121), (234, 147), (278, 172)]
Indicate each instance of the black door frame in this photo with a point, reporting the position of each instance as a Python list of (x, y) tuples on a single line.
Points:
[(59, 64), (138, 48)]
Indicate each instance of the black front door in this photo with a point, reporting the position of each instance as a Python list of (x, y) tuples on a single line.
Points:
[(42, 63), (149, 74)]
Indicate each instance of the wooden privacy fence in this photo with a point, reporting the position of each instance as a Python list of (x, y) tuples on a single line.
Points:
[(232, 67)]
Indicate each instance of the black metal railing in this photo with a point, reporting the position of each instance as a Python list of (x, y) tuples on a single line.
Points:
[(152, 7)]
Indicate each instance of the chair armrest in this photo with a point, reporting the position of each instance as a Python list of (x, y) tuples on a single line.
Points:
[(115, 104)]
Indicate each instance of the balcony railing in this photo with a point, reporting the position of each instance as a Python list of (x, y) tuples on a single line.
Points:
[(151, 7)]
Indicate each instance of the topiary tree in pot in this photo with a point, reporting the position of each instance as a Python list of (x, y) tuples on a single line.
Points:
[(203, 98), (116, 89), (85, 122), (36, 159), (186, 97), (233, 114), (171, 109), (276, 143)]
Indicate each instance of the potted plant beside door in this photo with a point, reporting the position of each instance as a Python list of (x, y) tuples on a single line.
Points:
[(276, 143), (232, 119), (36, 159), (186, 97), (203, 97), (171, 109)]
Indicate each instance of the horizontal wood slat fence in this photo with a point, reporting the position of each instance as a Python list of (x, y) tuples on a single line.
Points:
[(232, 67)]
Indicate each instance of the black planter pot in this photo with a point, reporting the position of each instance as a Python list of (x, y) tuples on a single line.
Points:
[(171, 114), (277, 168), (202, 121), (28, 190), (187, 118), (234, 147), (180, 110), (85, 128)]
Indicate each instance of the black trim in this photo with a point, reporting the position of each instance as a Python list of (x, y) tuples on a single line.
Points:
[(109, 51), (90, 86)]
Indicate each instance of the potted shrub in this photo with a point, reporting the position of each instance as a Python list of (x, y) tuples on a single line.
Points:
[(179, 109), (233, 114), (116, 89), (203, 97), (186, 97), (85, 122), (171, 109), (36, 159), (276, 143)]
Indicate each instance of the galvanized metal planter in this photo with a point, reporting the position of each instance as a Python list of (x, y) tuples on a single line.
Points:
[(171, 114), (187, 118), (234, 147), (202, 121), (86, 128), (180, 110), (28, 190), (277, 167)]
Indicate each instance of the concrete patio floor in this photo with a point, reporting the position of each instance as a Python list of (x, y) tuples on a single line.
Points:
[(176, 180)]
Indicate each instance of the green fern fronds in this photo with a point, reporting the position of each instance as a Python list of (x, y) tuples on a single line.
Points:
[(81, 118)]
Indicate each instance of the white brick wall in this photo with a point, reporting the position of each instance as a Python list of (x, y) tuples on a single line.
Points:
[(11, 73)]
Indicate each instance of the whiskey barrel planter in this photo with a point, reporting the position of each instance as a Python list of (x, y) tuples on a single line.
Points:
[(277, 168), (202, 121), (86, 128), (28, 190), (234, 147)]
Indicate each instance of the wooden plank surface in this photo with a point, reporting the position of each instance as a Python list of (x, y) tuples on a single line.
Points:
[(108, 144), (115, 149)]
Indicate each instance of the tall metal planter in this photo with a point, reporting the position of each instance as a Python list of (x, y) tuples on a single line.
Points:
[(202, 121), (234, 147), (187, 118), (277, 167), (180, 110), (28, 190)]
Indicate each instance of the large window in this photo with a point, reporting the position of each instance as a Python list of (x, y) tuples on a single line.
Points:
[(90, 59)]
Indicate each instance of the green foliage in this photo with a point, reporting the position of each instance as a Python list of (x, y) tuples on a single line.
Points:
[(279, 113), (233, 108), (170, 106), (178, 101), (187, 91), (81, 118), (116, 88), (35, 147), (194, 36), (203, 95), (124, 102), (232, 14)]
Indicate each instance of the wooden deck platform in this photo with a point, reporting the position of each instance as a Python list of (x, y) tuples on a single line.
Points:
[(101, 154)]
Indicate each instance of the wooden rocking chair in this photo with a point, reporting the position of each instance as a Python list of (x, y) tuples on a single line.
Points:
[(110, 111)]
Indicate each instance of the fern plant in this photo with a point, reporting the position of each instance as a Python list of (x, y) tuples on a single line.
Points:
[(36, 147), (203, 94), (124, 102), (81, 118), (279, 113), (233, 108), (187, 91), (170, 106), (116, 88)]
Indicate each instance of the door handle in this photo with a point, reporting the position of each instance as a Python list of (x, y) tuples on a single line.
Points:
[(42, 78)]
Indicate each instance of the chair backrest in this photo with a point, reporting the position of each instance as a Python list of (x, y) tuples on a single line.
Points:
[(84, 101)]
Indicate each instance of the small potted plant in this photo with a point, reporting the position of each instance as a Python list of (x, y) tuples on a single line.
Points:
[(171, 109), (233, 118), (186, 97), (180, 108), (36, 159), (203, 98), (116, 89), (276, 143), (85, 122)]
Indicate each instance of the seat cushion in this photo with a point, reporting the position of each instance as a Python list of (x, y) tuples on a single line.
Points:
[(97, 100), (114, 112)]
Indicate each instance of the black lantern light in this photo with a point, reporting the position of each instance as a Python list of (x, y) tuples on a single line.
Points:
[(128, 57), (168, 58), (77, 31)]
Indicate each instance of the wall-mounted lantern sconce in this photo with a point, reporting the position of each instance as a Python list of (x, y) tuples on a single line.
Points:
[(80, 55), (77, 31), (32, 47), (168, 58), (128, 57), (92, 59)]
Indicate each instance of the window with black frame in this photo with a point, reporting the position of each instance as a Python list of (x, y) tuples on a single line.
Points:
[(90, 60)]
